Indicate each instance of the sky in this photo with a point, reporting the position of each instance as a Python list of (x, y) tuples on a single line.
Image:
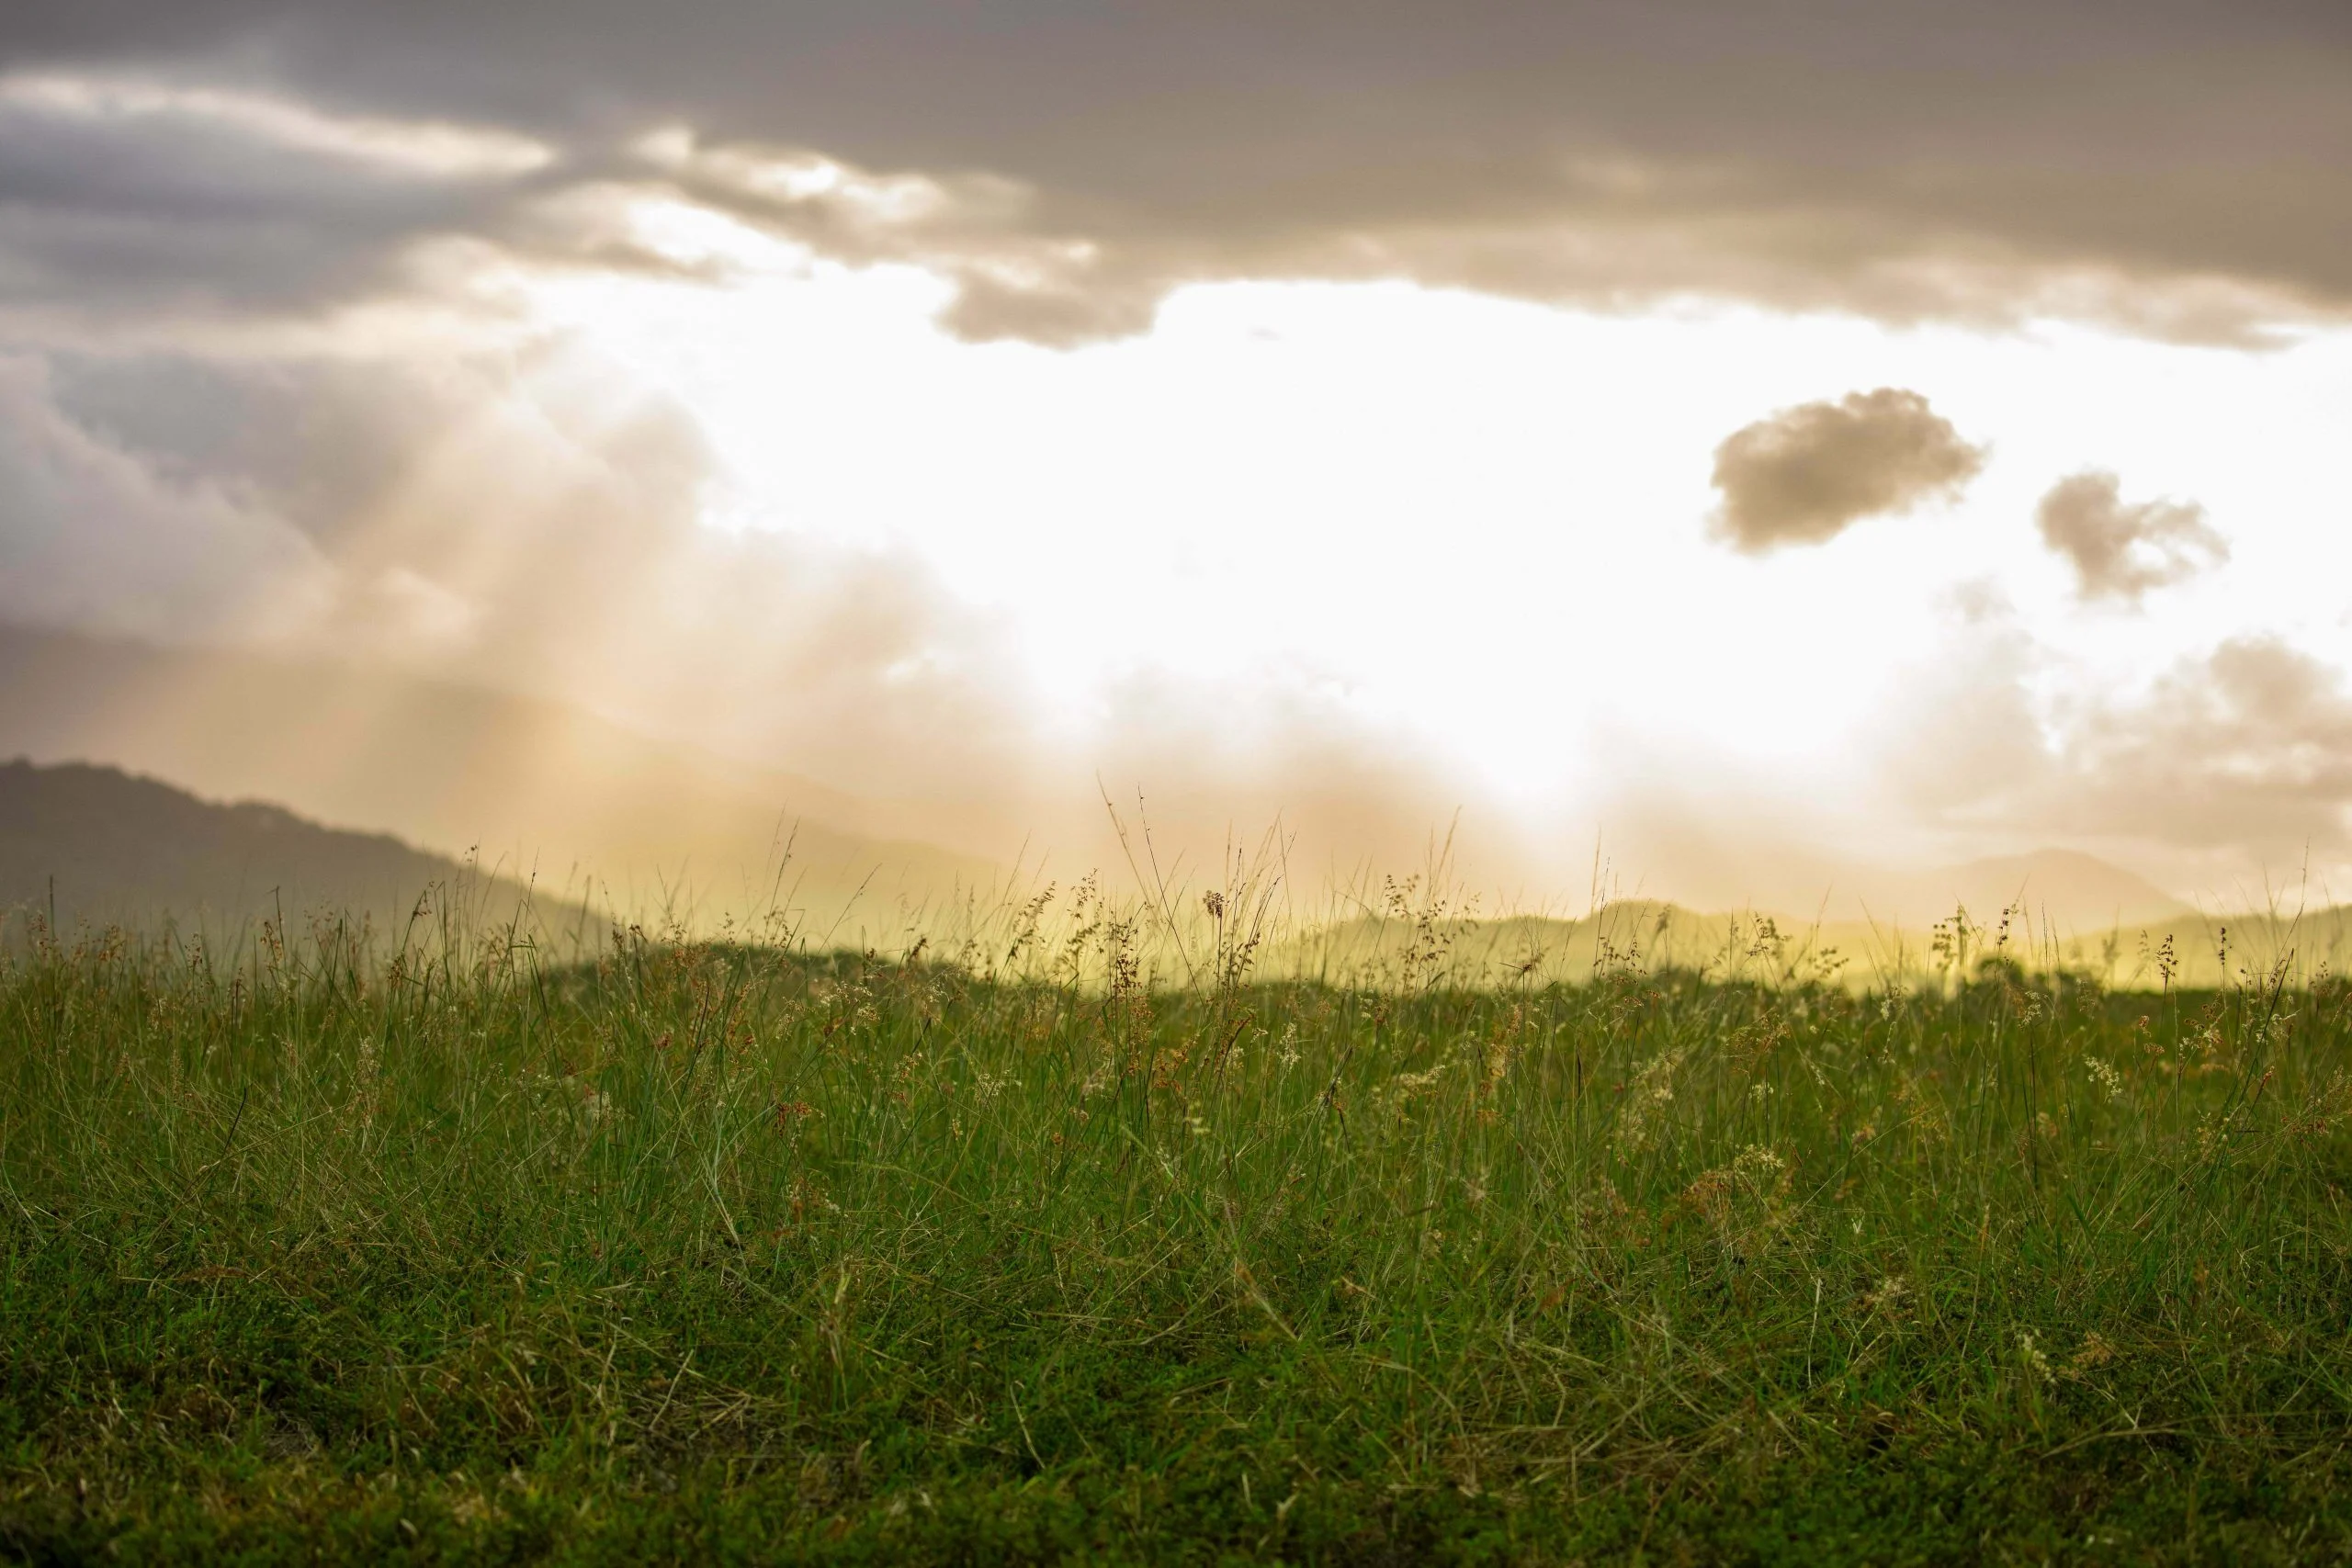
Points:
[(1757, 440)]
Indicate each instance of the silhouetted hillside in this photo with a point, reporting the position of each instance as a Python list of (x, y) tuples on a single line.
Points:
[(1645, 934), (107, 846), (452, 766)]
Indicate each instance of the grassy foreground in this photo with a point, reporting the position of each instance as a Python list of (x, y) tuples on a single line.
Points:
[(736, 1254)]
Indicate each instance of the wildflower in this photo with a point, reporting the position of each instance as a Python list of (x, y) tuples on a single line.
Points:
[(2103, 1074), (1405, 1087), (2037, 1364), (1652, 1089)]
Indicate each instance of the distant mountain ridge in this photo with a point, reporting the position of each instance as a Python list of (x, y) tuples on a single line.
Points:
[(1643, 934), (100, 846), (454, 768), (2066, 888), (91, 845)]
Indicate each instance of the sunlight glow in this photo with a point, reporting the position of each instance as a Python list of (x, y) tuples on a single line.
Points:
[(1474, 520)]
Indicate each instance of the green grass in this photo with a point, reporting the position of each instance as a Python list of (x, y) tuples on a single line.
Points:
[(722, 1253)]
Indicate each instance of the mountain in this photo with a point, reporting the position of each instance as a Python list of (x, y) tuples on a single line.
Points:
[(99, 846), (2066, 888), (532, 786)]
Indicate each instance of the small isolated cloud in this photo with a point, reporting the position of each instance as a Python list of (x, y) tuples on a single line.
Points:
[(1804, 475), (2121, 551)]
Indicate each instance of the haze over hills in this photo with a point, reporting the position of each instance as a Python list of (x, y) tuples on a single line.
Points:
[(2064, 887), (94, 846), (535, 788), (548, 791), (98, 846)]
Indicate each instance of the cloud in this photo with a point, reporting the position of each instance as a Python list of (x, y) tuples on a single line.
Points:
[(2250, 745), (426, 150), (2174, 167), (1804, 475), (1013, 275), (534, 524), (92, 537), (2123, 551), (2235, 756), (131, 195)]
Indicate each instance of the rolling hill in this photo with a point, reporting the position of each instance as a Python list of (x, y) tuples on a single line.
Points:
[(94, 846)]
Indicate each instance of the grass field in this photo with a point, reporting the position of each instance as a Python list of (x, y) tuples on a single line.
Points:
[(741, 1253)]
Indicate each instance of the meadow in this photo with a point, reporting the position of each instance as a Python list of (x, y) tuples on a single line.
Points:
[(1041, 1251)]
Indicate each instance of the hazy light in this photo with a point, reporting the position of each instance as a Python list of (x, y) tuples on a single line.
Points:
[(1478, 520)]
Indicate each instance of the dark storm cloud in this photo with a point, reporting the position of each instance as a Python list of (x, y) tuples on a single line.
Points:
[(1804, 475), (2183, 167), (2121, 550)]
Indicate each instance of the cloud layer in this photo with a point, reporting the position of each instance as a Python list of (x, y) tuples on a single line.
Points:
[(1804, 475), (1905, 161), (2121, 551)]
